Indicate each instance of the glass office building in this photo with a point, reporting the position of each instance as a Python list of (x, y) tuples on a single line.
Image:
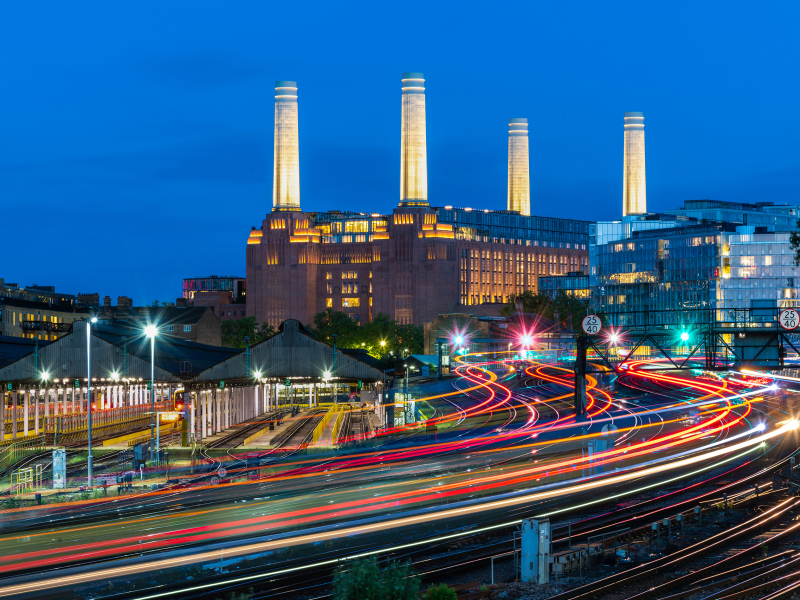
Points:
[(700, 271), (573, 284)]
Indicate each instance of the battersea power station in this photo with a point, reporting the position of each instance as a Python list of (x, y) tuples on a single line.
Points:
[(415, 263)]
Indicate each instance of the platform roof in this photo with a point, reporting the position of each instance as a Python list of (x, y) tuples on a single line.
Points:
[(113, 351), (292, 352)]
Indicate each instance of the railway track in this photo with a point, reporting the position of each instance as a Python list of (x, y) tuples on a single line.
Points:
[(428, 561)]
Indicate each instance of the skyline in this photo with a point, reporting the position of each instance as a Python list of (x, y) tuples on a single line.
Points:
[(170, 129)]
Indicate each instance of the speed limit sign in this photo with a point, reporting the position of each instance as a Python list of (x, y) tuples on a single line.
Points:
[(789, 318), (591, 324)]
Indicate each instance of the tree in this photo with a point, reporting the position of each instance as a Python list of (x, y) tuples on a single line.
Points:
[(362, 579), (235, 330), (157, 304), (564, 304), (368, 336)]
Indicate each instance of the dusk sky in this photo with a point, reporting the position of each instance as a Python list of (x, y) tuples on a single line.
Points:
[(137, 137)]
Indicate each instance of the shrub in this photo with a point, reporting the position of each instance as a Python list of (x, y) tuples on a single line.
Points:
[(440, 592), (362, 579)]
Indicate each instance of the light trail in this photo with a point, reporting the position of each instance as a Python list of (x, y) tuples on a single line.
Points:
[(407, 521)]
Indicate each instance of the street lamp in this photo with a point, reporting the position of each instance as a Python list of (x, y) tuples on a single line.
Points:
[(89, 394), (325, 377), (151, 331)]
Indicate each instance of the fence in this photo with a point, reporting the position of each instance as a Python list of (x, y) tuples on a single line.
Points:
[(28, 478), (20, 449), (335, 411), (336, 432), (68, 423)]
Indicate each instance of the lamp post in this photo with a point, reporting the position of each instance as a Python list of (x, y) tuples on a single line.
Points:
[(151, 331), (335, 387), (89, 393)]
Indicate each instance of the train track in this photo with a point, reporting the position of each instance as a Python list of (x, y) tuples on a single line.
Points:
[(314, 580)]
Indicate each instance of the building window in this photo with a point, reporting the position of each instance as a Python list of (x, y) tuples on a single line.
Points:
[(328, 275), (351, 302), (170, 328), (329, 302), (187, 328)]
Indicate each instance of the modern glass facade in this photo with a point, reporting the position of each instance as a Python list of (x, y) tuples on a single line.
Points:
[(757, 266), (413, 143), (572, 284), (665, 276), (760, 214), (634, 186), (286, 169), (511, 228), (519, 181), (693, 273)]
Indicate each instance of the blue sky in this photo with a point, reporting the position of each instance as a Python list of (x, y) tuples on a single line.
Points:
[(137, 137)]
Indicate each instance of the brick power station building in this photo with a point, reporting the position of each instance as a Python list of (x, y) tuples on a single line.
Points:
[(417, 262)]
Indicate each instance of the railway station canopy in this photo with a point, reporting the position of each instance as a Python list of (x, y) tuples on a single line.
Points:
[(117, 353), (293, 352)]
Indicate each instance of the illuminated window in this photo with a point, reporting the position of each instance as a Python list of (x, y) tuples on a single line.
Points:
[(187, 328), (351, 302), (356, 226), (329, 302), (328, 275)]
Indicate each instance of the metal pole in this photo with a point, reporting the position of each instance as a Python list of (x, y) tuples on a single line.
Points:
[(152, 391), (89, 393)]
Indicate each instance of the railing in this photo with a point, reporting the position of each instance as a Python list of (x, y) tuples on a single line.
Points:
[(333, 412), (67, 423), (29, 478), (20, 449), (337, 424)]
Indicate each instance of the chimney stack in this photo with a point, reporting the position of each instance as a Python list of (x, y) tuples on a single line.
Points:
[(634, 188), (286, 172), (413, 143), (519, 180)]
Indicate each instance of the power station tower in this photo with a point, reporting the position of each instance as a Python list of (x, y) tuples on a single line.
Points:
[(286, 175), (519, 179), (634, 188), (413, 143)]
